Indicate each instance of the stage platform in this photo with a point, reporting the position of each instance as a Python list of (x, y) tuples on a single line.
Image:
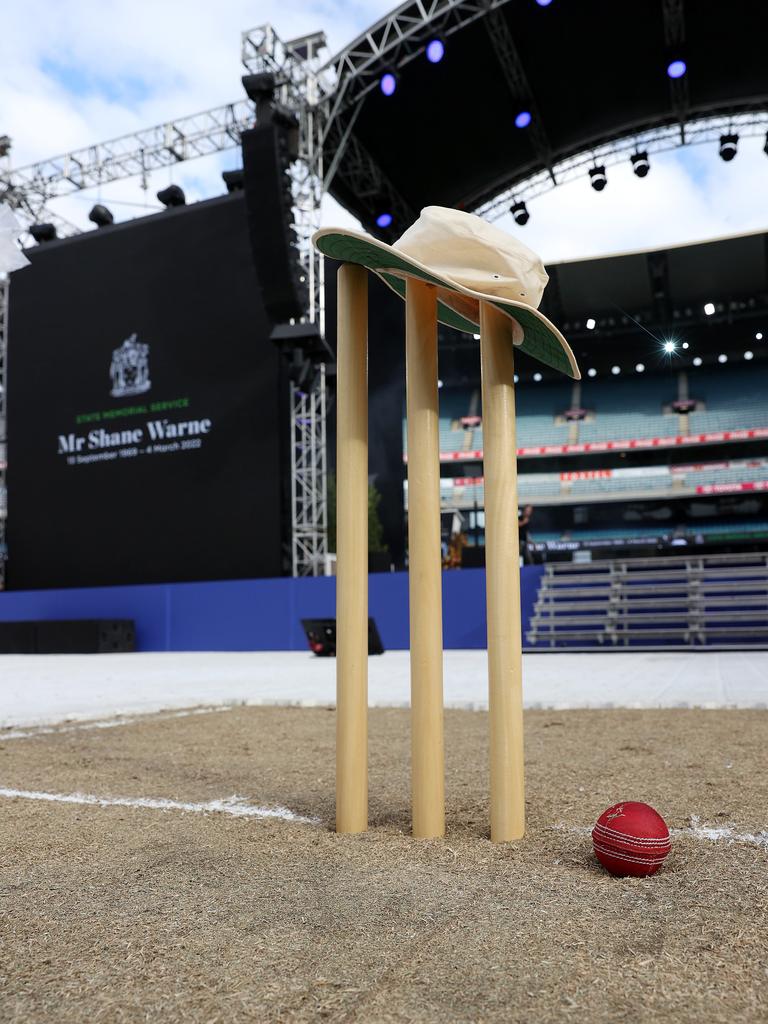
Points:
[(44, 689)]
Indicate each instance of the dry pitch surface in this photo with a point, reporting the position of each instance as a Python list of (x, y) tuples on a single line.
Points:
[(133, 914)]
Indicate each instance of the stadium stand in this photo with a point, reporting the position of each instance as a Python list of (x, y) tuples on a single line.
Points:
[(718, 600), (628, 408), (735, 399)]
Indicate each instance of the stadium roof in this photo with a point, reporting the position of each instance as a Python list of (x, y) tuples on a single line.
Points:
[(586, 72)]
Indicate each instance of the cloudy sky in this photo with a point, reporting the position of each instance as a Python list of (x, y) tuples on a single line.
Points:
[(77, 72)]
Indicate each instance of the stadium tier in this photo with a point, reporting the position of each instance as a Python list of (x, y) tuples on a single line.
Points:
[(636, 408)]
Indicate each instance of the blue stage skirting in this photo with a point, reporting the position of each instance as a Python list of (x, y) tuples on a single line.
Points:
[(264, 615)]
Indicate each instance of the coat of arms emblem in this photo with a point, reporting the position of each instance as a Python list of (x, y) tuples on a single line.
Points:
[(130, 368)]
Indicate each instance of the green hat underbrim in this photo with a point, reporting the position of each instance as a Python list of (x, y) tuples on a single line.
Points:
[(541, 339)]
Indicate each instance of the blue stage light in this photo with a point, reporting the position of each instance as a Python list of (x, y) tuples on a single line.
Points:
[(435, 51), (388, 83), (543, 3), (384, 220), (523, 119), (677, 69)]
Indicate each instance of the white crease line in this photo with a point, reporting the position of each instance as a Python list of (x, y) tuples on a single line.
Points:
[(233, 805), (108, 723), (724, 833)]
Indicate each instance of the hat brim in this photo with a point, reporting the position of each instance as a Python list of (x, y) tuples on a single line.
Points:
[(457, 306)]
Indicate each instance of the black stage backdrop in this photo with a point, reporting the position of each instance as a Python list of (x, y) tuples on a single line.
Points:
[(143, 413)]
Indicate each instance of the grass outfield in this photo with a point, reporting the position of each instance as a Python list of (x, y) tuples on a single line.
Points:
[(122, 913)]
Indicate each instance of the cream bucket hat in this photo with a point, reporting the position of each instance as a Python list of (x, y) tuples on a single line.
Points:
[(469, 261)]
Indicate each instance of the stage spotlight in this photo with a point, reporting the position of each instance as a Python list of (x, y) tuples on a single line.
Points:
[(101, 216), (234, 180), (435, 51), (520, 213), (597, 178), (749, 355), (640, 367), (728, 146), (697, 360), (640, 164), (591, 324), (591, 372), (543, 3), (722, 358), (669, 347), (615, 370), (676, 68), (709, 308), (43, 233), (523, 119), (388, 83), (537, 377), (172, 196)]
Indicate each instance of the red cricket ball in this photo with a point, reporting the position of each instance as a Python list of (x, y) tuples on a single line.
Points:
[(631, 838)]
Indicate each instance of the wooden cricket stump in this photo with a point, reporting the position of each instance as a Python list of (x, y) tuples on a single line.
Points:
[(502, 562), (352, 552), (424, 561)]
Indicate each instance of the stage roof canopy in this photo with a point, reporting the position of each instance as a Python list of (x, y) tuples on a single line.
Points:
[(586, 72)]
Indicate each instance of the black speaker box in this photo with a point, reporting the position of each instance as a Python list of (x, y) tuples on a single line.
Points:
[(75, 636), (321, 637), (266, 158)]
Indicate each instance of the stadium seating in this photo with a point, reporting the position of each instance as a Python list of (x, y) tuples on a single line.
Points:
[(628, 408), (735, 399), (719, 600)]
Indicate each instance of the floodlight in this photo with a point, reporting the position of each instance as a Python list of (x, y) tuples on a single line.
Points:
[(172, 196), (388, 83), (435, 51), (676, 68), (728, 145), (520, 213), (697, 360), (749, 355), (722, 358), (591, 324), (591, 372), (101, 216), (537, 377), (597, 178), (615, 370), (640, 164), (43, 233), (709, 308), (523, 119), (640, 367), (670, 346), (383, 220)]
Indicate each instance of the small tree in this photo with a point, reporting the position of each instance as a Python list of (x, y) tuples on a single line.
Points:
[(375, 528)]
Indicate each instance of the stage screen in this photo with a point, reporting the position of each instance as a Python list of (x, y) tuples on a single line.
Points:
[(143, 407)]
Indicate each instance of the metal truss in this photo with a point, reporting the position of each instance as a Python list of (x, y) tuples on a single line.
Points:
[(309, 519), (500, 38), (4, 288), (394, 41), (29, 189), (651, 140)]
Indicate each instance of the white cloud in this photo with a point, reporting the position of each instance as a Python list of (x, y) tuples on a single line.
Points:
[(78, 72)]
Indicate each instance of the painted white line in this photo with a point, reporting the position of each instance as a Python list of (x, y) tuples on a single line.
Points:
[(722, 834), (235, 806), (109, 723), (725, 833)]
